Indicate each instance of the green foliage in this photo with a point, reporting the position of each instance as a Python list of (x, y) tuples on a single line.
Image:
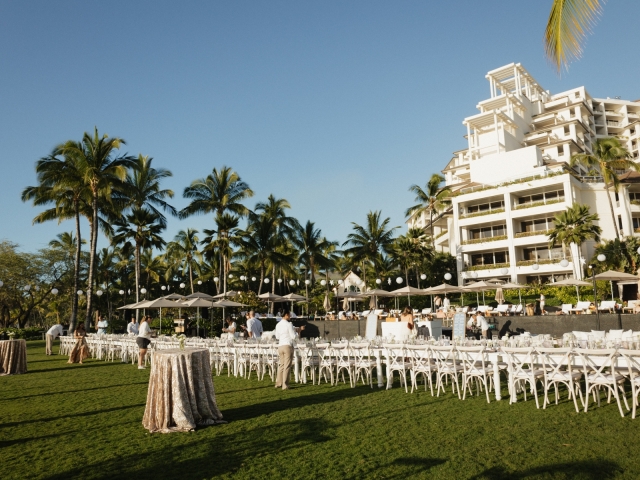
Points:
[(29, 333)]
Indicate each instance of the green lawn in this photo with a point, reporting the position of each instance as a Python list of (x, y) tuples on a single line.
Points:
[(71, 421)]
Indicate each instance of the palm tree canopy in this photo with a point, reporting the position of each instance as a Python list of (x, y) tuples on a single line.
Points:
[(368, 241), (567, 27), (433, 198), (220, 191), (575, 225), (609, 157)]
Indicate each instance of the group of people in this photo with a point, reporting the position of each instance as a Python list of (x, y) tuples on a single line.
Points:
[(253, 328)]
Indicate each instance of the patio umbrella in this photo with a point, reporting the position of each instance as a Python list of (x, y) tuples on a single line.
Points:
[(292, 297), (230, 293), (159, 303), (173, 296), (326, 304), (614, 276), (481, 286), (200, 295), (198, 302), (408, 290), (499, 295), (573, 282), (227, 303), (374, 293), (511, 286)]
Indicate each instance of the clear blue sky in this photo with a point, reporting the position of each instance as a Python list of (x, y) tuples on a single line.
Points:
[(337, 106)]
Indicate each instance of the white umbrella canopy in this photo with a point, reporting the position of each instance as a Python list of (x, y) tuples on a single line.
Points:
[(408, 290), (350, 295), (230, 293), (197, 302), (326, 304), (271, 297), (378, 292), (199, 295), (226, 303), (499, 295), (615, 276), (173, 296), (131, 306), (572, 282), (443, 288), (158, 303), (294, 296), (345, 303)]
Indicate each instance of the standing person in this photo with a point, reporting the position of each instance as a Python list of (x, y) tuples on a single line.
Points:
[(437, 302), (102, 325), (143, 340), (286, 335), (254, 326), (132, 327), (446, 303), (542, 312), (231, 326), (407, 316), (52, 334), (483, 324), (80, 349)]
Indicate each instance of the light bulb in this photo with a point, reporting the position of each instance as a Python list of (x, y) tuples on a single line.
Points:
[(199, 282), (162, 287), (266, 280), (602, 257), (54, 291), (279, 280), (99, 293), (378, 281), (27, 288), (423, 277), (535, 266), (447, 276), (79, 292), (399, 280), (564, 262), (253, 279), (504, 271), (231, 275), (307, 282), (182, 285), (121, 292), (143, 290), (323, 282), (292, 282)]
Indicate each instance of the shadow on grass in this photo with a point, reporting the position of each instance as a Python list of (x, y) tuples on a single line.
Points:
[(225, 455), (73, 415), (97, 364), (288, 403), (590, 470), (242, 390), (74, 391)]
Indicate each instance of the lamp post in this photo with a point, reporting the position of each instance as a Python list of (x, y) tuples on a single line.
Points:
[(601, 258)]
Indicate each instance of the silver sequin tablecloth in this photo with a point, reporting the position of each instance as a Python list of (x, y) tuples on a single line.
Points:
[(13, 357)]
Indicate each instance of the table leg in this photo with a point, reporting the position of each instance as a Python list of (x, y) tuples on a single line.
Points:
[(379, 368), (496, 379)]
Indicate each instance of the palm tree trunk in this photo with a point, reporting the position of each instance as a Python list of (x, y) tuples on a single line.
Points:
[(613, 215), (273, 287), (137, 275), (433, 240), (191, 277), (93, 227), (261, 277), (76, 273)]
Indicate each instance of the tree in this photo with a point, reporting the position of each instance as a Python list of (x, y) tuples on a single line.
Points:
[(61, 183), (369, 241), (609, 157), (574, 225), (101, 174), (569, 22), (312, 247), (220, 192), (432, 199), (182, 253), (143, 228)]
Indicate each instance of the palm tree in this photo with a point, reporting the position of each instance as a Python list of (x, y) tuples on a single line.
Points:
[(183, 253), (569, 22), (220, 192), (60, 183), (142, 188), (312, 247), (368, 242), (432, 199), (101, 174), (608, 157), (574, 225), (143, 227)]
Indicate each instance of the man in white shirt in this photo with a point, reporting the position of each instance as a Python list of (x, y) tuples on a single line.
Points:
[(52, 333), (254, 326), (132, 327), (483, 324), (102, 325), (286, 336)]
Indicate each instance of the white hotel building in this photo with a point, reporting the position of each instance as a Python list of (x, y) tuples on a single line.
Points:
[(514, 177)]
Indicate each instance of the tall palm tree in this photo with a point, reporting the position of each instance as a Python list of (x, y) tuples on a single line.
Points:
[(142, 188), (432, 199), (574, 225), (144, 229), (369, 241), (220, 192), (312, 247), (608, 157), (61, 183), (567, 27), (183, 253), (101, 173)]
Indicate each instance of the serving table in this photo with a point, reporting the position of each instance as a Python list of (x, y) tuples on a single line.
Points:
[(181, 394), (13, 357)]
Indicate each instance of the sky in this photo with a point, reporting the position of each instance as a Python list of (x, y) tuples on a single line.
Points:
[(339, 107)]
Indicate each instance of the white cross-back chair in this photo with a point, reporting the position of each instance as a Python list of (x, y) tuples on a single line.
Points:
[(558, 365), (421, 364), (363, 362), (309, 361), (344, 363), (396, 362), (599, 367), (448, 367), (326, 363), (524, 370), (632, 359), (475, 367)]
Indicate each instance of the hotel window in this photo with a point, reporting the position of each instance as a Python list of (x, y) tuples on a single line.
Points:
[(542, 253), (636, 223), (555, 195), (489, 258), (634, 195), (485, 207), (567, 130), (487, 232), (537, 225)]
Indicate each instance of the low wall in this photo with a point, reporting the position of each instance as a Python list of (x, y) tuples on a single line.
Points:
[(554, 325)]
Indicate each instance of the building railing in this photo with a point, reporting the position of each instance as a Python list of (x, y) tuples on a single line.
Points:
[(487, 267), (484, 240), (485, 212), (532, 234), (542, 261), (511, 181), (538, 204)]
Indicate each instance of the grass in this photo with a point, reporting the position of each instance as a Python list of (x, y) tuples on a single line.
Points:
[(64, 421)]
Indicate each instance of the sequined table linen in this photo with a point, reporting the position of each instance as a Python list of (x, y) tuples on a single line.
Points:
[(181, 394), (13, 357)]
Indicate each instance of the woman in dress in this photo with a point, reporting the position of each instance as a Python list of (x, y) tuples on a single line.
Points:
[(231, 326), (143, 340), (80, 349)]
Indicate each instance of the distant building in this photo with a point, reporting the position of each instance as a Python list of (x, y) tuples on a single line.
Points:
[(513, 178)]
